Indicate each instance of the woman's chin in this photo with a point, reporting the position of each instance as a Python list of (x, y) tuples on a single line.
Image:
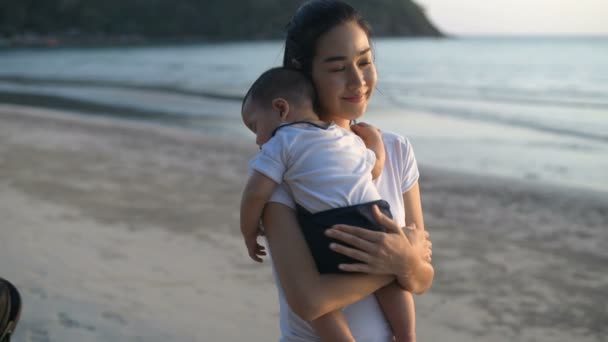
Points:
[(355, 115), (353, 111)]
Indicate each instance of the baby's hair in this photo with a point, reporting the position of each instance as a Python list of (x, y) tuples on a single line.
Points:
[(292, 85)]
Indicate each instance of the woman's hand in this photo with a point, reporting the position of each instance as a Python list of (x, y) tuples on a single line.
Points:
[(309, 294), (420, 240), (392, 252)]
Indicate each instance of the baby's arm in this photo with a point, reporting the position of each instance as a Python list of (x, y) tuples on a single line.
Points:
[(372, 137), (332, 327), (257, 192)]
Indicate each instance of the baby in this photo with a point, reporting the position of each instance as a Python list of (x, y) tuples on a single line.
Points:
[(329, 171)]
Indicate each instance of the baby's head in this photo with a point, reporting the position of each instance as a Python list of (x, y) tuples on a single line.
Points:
[(278, 96)]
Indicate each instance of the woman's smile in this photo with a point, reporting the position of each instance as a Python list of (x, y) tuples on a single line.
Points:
[(354, 98)]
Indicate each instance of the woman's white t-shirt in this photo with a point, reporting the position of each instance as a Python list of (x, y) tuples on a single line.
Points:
[(364, 317)]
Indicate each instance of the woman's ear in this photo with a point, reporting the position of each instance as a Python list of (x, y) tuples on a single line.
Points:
[(282, 106)]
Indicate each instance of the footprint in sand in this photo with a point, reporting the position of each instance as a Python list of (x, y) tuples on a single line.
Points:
[(107, 254), (38, 292), (37, 335), (68, 322), (113, 316)]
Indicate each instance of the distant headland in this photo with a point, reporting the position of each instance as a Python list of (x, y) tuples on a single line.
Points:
[(52, 23)]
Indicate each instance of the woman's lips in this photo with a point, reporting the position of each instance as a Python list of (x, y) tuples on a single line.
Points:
[(354, 99)]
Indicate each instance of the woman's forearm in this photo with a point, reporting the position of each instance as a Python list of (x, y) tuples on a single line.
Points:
[(418, 279), (339, 290), (309, 294), (420, 276)]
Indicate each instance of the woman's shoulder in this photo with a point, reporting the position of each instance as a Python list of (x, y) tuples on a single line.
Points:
[(395, 140), (400, 158), (398, 148)]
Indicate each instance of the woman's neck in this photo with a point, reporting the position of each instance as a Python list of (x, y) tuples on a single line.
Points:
[(308, 116), (338, 120)]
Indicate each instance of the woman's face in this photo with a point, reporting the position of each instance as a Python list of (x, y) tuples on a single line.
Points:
[(344, 73)]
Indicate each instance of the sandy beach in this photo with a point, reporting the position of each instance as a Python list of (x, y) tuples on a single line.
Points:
[(125, 231)]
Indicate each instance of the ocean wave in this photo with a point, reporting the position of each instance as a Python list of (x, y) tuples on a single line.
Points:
[(572, 98), (563, 146), (485, 116), (173, 115), (160, 115), (17, 79)]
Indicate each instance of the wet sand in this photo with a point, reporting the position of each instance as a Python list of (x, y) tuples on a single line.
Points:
[(123, 231)]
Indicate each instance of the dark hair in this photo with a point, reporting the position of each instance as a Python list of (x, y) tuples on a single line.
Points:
[(292, 85), (312, 20)]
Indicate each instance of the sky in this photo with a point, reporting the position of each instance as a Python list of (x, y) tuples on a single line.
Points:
[(519, 17)]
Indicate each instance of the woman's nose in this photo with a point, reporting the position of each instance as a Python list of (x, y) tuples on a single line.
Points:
[(356, 79)]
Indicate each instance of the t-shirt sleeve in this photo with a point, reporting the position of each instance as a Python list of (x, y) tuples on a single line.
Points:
[(283, 195), (269, 161), (409, 171)]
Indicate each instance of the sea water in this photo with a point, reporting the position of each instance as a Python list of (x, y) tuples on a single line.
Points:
[(522, 107)]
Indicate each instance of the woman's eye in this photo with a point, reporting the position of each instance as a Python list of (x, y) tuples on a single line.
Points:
[(363, 63), (338, 69)]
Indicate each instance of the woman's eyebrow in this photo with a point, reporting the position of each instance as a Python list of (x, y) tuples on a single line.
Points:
[(342, 58)]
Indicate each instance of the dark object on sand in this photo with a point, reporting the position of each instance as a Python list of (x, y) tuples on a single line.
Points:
[(10, 309)]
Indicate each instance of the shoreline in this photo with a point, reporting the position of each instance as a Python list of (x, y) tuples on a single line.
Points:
[(216, 102), (115, 226)]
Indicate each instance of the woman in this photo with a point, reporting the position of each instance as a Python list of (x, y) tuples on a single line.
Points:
[(329, 41)]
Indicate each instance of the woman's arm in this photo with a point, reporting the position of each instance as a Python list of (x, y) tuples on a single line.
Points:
[(424, 272), (309, 294), (413, 207)]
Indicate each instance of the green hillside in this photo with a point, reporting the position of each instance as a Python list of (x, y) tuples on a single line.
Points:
[(171, 19)]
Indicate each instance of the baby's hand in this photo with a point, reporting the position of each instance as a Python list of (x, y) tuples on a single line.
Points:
[(372, 137), (255, 250)]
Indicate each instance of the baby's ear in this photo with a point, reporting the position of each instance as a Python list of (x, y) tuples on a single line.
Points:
[(282, 106)]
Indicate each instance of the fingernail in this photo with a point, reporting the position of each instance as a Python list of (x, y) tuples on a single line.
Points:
[(329, 232), (333, 245)]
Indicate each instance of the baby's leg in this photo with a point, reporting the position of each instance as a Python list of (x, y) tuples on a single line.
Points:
[(332, 327), (398, 307)]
